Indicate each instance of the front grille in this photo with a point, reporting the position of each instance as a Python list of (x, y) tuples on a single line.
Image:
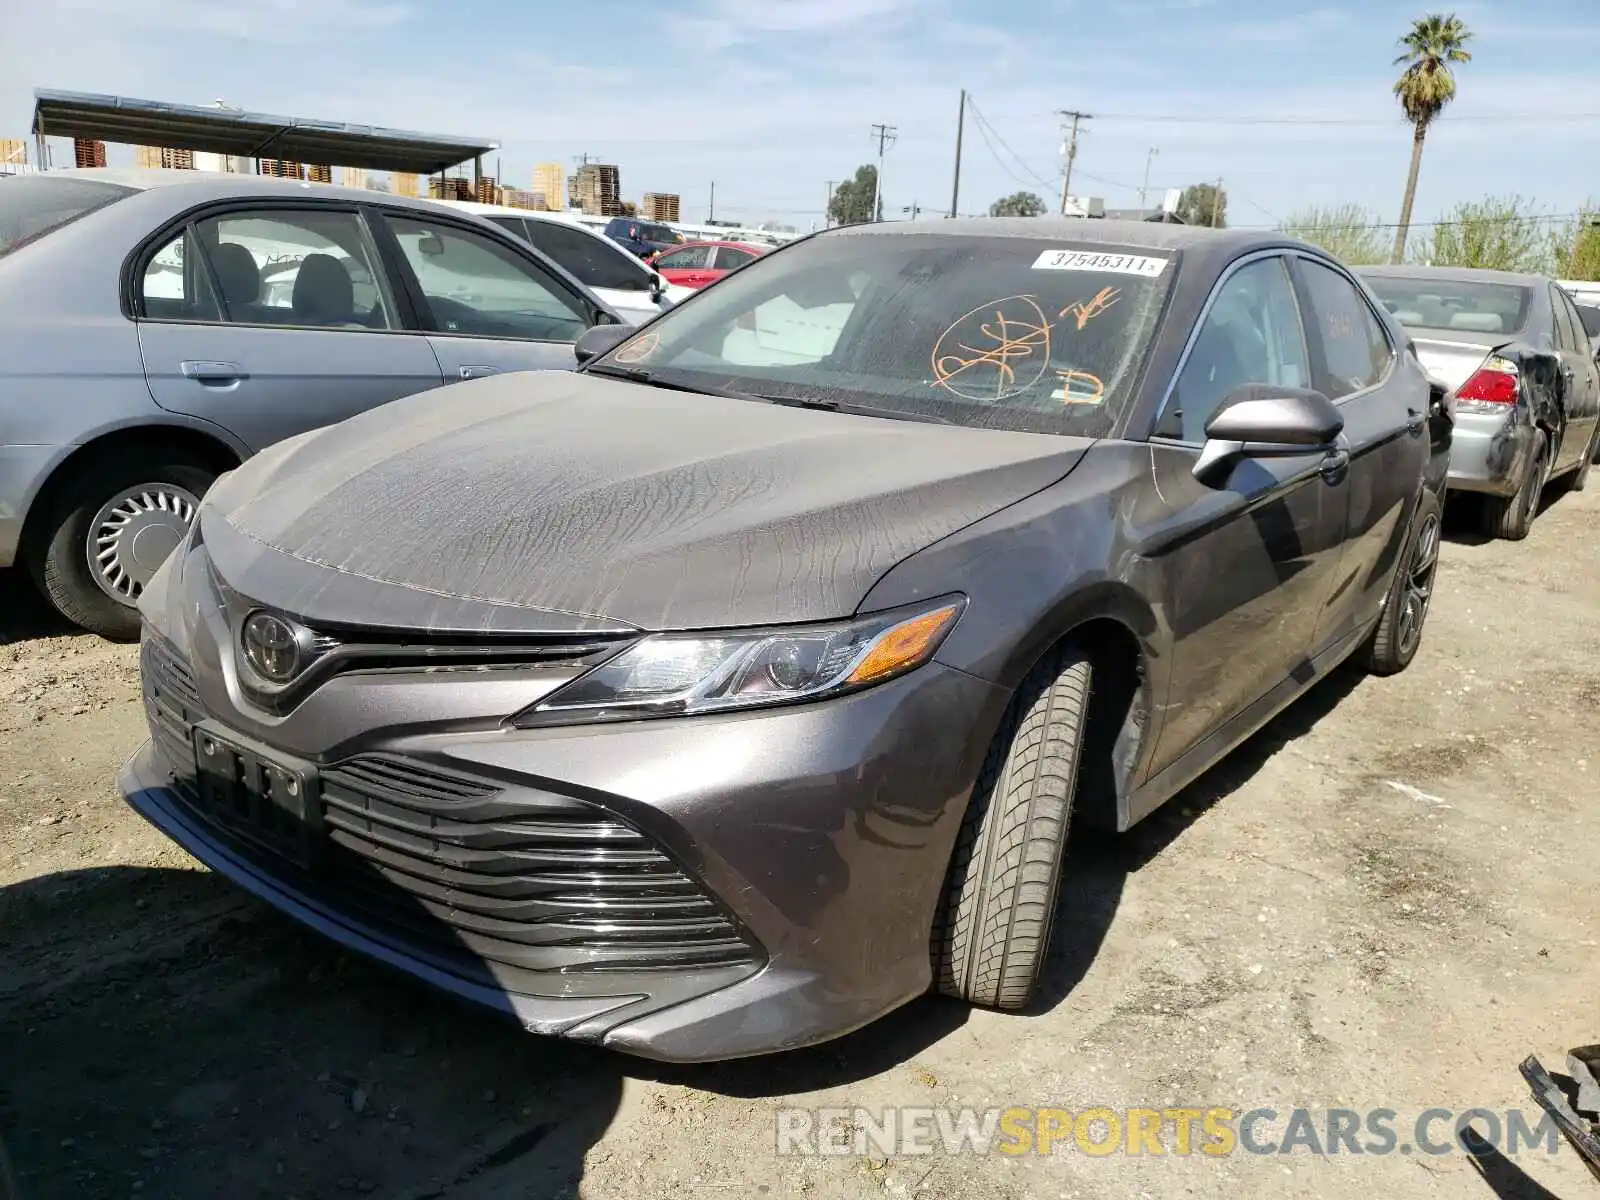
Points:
[(172, 706), (494, 882), (529, 879)]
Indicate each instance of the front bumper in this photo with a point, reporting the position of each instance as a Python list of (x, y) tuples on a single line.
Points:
[(817, 835), (1489, 452)]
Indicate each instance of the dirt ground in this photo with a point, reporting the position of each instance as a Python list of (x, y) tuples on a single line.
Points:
[(1386, 899)]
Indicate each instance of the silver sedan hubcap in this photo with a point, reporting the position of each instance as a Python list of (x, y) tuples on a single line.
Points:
[(132, 535), (1419, 584)]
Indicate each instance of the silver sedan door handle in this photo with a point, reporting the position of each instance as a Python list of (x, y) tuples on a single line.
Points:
[(477, 371), (212, 374)]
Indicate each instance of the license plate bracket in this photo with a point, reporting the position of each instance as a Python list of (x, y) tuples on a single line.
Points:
[(269, 799)]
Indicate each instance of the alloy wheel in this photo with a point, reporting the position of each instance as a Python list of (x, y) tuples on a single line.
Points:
[(1419, 583), (132, 535)]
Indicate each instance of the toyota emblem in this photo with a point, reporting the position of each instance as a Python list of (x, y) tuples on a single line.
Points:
[(272, 647)]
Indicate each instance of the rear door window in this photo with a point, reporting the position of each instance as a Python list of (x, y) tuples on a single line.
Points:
[(1355, 350), (594, 261), (731, 257), (1569, 330), (34, 205)]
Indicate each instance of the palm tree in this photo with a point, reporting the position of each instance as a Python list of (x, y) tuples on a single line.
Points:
[(1423, 89)]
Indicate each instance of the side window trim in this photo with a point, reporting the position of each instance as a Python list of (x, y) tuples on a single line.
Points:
[(1320, 364), (1204, 315)]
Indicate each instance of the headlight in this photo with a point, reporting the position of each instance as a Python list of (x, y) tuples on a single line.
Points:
[(676, 674)]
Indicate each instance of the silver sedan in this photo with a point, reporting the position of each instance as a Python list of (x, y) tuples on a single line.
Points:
[(1515, 351), (163, 326)]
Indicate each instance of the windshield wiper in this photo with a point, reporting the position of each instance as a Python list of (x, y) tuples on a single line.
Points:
[(640, 375)]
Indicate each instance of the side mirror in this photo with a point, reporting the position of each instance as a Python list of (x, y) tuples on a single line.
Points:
[(1265, 421), (658, 288), (594, 342)]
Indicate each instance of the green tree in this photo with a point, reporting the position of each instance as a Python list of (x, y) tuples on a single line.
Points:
[(1500, 233), (1575, 246), (1018, 204), (1347, 231), (852, 199), (1423, 89), (1203, 204)]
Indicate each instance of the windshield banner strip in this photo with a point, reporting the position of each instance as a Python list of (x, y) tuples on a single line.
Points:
[(1085, 260)]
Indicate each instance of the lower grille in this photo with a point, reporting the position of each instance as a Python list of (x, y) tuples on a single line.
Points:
[(172, 706), (491, 881)]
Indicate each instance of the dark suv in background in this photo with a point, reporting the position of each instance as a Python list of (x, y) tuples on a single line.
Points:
[(644, 238)]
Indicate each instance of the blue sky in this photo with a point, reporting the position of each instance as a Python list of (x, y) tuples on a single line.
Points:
[(771, 99)]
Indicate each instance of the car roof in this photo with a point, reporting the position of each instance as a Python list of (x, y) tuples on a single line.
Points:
[(1455, 274), (1080, 230), (505, 210), (731, 245), (200, 186)]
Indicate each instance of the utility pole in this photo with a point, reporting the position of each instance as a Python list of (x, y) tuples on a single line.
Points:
[(961, 124), (886, 135), (827, 207), (711, 208), (1069, 151), (1148, 158), (1216, 203)]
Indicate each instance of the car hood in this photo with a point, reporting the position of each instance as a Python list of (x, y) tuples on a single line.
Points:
[(550, 502)]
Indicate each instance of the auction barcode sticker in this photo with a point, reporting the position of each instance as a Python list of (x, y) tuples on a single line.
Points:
[(1086, 260)]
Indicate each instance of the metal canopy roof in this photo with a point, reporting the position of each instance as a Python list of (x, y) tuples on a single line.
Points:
[(246, 134)]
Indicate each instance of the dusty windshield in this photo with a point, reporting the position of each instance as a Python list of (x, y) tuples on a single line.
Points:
[(998, 332)]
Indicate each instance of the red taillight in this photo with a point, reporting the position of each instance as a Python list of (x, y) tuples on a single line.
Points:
[(1489, 386)]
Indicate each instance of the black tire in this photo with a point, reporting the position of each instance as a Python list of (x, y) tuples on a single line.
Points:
[(993, 932), (1511, 517), (61, 566), (1398, 635)]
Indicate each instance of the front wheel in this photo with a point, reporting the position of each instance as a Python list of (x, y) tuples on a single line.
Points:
[(993, 934), (113, 529), (1394, 642)]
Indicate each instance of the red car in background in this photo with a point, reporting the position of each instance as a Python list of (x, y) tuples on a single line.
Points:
[(696, 264)]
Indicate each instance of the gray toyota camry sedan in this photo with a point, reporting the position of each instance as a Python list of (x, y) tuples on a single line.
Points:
[(728, 693)]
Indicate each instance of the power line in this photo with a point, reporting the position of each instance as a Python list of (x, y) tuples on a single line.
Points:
[(987, 131), (1397, 119)]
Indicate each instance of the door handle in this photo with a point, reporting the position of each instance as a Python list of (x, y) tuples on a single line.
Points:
[(477, 371), (1333, 466), (212, 374)]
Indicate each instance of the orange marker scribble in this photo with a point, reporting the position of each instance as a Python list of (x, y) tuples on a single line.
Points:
[(1087, 310), (992, 342), (1096, 388)]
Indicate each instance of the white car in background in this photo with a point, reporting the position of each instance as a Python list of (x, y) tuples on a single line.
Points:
[(605, 268)]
